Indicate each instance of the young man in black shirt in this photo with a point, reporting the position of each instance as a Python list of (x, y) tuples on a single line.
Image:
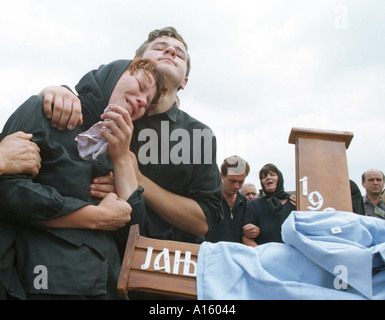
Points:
[(176, 153), (235, 226)]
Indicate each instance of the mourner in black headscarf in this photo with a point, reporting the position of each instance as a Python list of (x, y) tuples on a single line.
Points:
[(271, 210), (279, 193)]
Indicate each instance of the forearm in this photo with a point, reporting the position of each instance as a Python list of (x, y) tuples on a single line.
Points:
[(181, 212), (2, 167), (110, 214), (249, 242), (83, 218), (26, 202), (125, 179)]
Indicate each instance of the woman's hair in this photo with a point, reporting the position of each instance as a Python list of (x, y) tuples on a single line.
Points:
[(164, 32), (150, 69), (266, 169)]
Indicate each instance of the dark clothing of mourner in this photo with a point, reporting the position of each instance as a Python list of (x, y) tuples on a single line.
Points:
[(78, 262), (268, 221), (178, 153), (231, 227), (268, 213), (357, 201), (10, 286), (374, 210)]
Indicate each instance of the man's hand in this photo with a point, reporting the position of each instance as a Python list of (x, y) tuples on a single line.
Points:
[(63, 107), (293, 200), (117, 213), (251, 231), (19, 155)]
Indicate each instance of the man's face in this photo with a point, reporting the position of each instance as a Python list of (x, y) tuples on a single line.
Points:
[(170, 55), (249, 192), (134, 93), (232, 183), (374, 182)]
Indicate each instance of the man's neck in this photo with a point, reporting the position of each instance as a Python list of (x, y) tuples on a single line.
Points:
[(164, 104), (373, 198), (230, 199)]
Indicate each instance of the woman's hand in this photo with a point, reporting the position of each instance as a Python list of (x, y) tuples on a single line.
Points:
[(102, 186), (119, 135)]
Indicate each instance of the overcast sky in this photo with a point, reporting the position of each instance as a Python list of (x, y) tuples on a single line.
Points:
[(259, 68)]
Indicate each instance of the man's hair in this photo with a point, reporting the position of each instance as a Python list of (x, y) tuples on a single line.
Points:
[(363, 177), (150, 69), (235, 162), (164, 32), (248, 184)]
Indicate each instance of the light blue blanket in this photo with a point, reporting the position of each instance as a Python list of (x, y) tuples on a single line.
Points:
[(326, 255)]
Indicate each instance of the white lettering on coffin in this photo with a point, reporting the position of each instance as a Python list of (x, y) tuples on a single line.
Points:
[(162, 262)]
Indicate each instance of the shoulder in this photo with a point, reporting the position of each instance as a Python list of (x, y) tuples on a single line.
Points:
[(241, 198), (32, 101), (257, 202), (26, 116), (190, 121), (31, 106), (288, 206)]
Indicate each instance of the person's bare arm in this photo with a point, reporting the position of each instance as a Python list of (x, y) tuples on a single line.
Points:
[(181, 212), (62, 106), (19, 155), (118, 133), (249, 242), (251, 231), (111, 214)]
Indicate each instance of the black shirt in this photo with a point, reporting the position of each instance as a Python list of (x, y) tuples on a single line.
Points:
[(268, 221), (178, 153), (231, 227), (78, 261), (8, 275), (371, 209), (61, 187)]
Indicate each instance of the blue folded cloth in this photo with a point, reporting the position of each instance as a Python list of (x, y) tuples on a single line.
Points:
[(326, 255)]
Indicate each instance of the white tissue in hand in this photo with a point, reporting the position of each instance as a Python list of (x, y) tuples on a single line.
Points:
[(91, 143)]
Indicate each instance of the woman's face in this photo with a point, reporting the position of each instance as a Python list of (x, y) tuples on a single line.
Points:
[(270, 181), (134, 92)]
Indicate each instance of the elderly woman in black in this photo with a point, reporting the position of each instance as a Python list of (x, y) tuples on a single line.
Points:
[(271, 210)]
